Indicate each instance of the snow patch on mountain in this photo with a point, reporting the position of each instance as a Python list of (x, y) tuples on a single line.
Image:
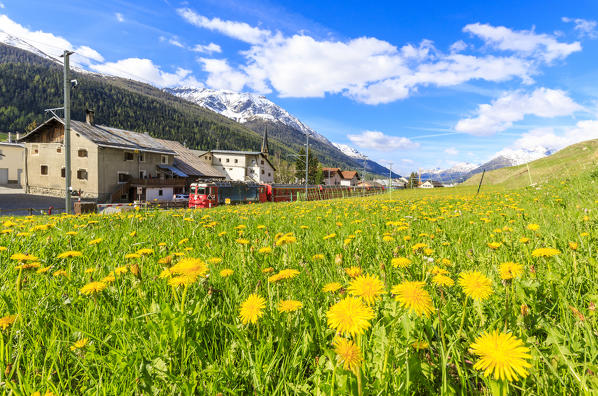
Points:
[(523, 156), (243, 107), (349, 151)]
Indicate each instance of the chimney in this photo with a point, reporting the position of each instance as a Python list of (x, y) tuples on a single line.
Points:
[(89, 117)]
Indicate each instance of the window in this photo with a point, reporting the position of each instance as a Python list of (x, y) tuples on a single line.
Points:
[(63, 172), (160, 193), (262, 162), (164, 159), (35, 149), (123, 177), (59, 149), (236, 161), (128, 156), (227, 160), (82, 153), (269, 174), (253, 162), (44, 169), (230, 168), (262, 171), (142, 174), (141, 157), (82, 174)]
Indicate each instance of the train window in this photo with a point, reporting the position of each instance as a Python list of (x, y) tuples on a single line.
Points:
[(200, 191)]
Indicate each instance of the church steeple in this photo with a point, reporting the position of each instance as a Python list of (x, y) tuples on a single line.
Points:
[(265, 148)]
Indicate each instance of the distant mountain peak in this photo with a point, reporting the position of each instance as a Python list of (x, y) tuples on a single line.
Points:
[(349, 151), (243, 107)]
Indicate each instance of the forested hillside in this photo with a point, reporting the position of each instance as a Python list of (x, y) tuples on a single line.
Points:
[(29, 84)]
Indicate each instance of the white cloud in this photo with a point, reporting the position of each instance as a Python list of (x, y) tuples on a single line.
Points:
[(207, 49), (374, 71), (238, 30), (451, 151), (176, 43), (407, 161), (1, 5), (514, 106), (524, 42), (119, 17), (145, 70), (378, 141), (48, 43), (222, 75), (583, 26), (538, 142)]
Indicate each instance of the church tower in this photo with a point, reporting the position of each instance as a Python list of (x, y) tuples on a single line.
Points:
[(265, 148)]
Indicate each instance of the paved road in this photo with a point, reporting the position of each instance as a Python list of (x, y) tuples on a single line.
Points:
[(12, 199)]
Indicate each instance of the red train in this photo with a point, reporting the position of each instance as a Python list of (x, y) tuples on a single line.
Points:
[(210, 194)]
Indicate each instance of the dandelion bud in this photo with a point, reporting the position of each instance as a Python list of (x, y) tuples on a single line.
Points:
[(338, 260), (524, 310)]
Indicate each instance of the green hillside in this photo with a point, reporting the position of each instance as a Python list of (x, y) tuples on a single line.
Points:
[(568, 162)]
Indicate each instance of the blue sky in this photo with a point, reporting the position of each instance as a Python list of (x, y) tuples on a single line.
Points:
[(422, 84)]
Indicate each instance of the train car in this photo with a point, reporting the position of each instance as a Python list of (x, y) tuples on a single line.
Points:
[(289, 192), (210, 194)]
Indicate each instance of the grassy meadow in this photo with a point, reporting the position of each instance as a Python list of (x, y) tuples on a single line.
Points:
[(408, 294)]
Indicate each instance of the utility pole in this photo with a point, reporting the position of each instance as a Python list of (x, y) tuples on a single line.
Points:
[(306, 161), (67, 130)]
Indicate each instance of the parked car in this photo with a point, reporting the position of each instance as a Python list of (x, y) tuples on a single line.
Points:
[(180, 198)]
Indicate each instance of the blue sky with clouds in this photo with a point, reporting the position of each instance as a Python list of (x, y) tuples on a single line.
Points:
[(422, 84)]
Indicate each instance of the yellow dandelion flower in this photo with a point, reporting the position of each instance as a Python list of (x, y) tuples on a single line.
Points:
[(242, 241), (414, 297), (545, 252), (133, 233), (533, 227), (94, 241), (80, 344), (7, 321), (43, 269), (350, 316), (267, 270), (289, 306), (524, 240), (317, 257), (387, 238), (108, 279), (368, 287), (353, 271), (121, 270), (584, 234), (402, 262), (443, 280), (23, 257), (226, 272), (494, 245), (165, 260), (252, 309), (182, 280), (92, 288), (214, 260), (145, 251), (475, 285), (329, 236), (60, 273), (573, 245), (165, 273), (191, 267), (69, 254), (265, 250), (184, 240), (510, 270), (419, 246), (501, 354), (288, 273), (331, 287), (438, 271), (71, 233), (347, 353)]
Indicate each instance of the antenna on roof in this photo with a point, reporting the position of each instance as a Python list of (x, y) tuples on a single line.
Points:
[(53, 110)]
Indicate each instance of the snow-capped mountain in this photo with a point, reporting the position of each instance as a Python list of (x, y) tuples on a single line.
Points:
[(13, 41), (454, 174), (243, 107), (523, 156), (349, 151)]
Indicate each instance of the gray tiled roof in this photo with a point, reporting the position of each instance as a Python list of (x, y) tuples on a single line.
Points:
[(112, 137), (187, 161)]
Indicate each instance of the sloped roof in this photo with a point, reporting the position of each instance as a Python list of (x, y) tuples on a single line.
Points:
[(188, 162), (236, 152), (348, 175), (110, 137)]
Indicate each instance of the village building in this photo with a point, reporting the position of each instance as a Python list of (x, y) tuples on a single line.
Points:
[(12, 163), (245, 166), (431, 184), (108, 164), (332, 176), (349, 178), (193, 167)]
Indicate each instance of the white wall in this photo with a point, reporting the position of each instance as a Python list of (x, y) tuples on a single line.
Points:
[(154, 193)]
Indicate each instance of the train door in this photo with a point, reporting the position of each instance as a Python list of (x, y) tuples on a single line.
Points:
[(212, 196), (263, 195)]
